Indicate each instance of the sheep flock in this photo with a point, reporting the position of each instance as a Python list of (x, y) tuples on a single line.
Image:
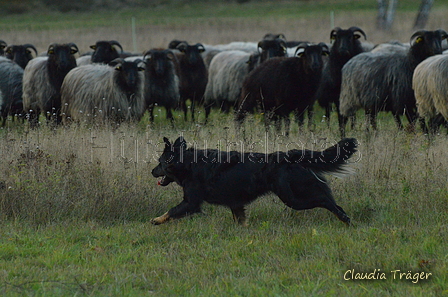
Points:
[(274, 77)]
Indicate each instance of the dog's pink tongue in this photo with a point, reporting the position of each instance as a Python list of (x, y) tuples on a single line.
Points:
[(159, 183)]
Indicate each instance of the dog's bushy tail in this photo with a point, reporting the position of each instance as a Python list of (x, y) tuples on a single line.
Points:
[(332, 160)]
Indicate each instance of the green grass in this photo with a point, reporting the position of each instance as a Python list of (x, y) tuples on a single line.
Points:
[(75, 220)]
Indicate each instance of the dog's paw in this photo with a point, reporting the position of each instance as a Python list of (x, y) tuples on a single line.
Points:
[(160, 220)]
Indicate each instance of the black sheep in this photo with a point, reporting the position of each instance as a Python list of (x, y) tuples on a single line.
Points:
[(280, 86), (345, 45), (21, 54), (272, 47), (192, 74), (161, 81), (106, 51)]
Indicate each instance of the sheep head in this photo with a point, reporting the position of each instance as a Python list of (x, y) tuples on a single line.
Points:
[(426, 43), (157, 61), (60, 61), (272, 48), (127, 74), (105, 51), (192, 52), (3, 45), (346, 43), (21, 54), (311, 56)]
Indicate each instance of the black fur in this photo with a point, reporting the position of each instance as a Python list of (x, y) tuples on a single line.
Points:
[(21, 54), (236, 179), (280, 86), (346, 44), (106, 51), (193, 75), (60, 62)]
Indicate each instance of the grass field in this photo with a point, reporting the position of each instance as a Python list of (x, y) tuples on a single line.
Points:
[(76, 203)]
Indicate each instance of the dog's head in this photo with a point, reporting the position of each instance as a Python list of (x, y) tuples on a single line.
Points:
[(169, 161)]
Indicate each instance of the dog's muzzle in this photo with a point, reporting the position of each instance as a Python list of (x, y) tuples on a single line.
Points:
[(158, 172)]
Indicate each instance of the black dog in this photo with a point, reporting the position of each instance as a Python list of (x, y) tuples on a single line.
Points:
[(235, 179)]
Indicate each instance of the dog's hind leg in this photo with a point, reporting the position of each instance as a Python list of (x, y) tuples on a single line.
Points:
[(239, 215), (308, 195), (338, 212)]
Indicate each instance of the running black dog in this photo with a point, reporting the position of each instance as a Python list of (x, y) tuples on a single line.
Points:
[(235, 179)]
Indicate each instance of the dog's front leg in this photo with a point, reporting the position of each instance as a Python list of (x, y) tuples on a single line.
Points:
[(162, 219), (183, 209)]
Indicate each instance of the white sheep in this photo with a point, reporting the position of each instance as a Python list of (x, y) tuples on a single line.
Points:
[(431, 88), (226, 75), (102, 93)]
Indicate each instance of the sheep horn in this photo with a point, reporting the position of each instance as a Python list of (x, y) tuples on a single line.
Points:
[(442, 33), (51, 48), (260, 45), (419, 33), (27, 46), (72, 45), (324, 47), (356, 29), (147, 53), (182, 46), (114, 42), (138, 62), (169, 54), (301, 45), (116, 61), (334, 31), (200, 47)]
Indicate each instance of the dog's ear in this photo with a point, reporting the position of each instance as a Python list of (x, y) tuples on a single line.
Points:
[(180, 142)]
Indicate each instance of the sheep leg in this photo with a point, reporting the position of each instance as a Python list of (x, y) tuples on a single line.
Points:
[(398, 121), (169, 114), (327, 114), (225, 106), (277, 123), (353, 121), (300, 117), (183, 105), (151, 113), (413, 118), (435, 122), (287, 121), (370, 120), (192, 108), (33, 118), (310, 110), (342, 123), (207, 108)]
